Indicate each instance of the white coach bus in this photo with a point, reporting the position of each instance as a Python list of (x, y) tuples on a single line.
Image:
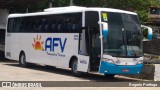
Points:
[(103, 40)]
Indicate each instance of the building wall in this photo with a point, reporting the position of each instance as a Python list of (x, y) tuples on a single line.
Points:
[(3, 18), (3, 21)]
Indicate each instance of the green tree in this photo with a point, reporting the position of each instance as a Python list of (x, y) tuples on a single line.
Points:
[(91, 3), (139, 6)]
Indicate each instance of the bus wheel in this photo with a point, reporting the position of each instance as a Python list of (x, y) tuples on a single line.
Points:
[(22, 60), (109, 76), (74, 66)]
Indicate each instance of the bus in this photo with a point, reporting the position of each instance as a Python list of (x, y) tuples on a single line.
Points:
[(86, 40)]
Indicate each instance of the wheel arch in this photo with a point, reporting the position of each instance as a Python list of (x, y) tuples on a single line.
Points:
[(71, 60), (21, 52)]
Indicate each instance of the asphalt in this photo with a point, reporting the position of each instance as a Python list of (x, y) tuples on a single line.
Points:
[(11, 71)]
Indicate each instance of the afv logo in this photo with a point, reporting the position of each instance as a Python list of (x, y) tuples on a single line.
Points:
[(38, 44), (52, 43)]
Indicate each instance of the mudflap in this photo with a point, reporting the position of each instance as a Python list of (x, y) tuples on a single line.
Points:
[(83, 63)]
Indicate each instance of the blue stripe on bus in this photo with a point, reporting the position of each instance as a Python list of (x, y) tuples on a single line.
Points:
[(150, 36), (104, 33), (109, 68)]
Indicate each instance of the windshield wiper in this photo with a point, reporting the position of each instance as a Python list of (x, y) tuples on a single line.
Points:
[(134, 52)]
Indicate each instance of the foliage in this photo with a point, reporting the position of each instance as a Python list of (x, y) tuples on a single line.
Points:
[(91, 3), (139, 6), (60, 3)]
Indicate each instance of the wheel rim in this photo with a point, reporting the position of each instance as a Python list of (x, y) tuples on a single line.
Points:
[(75, 67)]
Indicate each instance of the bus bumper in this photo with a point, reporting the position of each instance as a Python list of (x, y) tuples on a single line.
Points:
[(109, 68)]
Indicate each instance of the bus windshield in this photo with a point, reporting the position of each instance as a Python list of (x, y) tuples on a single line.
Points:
[(123, 38)]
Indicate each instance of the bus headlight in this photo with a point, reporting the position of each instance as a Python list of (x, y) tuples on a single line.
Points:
[(108, 60), (140, 62)]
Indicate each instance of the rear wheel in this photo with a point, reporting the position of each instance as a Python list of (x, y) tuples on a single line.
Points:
[(22, 60), (74, 67)]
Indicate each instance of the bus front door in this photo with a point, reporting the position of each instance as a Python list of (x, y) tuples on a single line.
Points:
[(94, 48)]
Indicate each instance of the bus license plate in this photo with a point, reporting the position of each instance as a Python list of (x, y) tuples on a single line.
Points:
[(125, 70)]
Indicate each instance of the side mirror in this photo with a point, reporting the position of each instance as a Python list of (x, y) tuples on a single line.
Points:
[(104, 28), (147, 32)]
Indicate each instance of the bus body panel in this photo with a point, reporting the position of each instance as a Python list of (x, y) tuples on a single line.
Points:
[(45, 55), (13, 46)]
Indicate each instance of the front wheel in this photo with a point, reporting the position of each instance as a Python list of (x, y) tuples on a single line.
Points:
[(74, 67), (22, 60), (109, 76)]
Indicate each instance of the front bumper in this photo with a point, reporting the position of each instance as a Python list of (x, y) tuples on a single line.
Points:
[(109, 68)]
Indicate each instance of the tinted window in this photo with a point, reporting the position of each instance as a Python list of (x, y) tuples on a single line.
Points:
[(10, 25), (123, 37), (115, 33), (49, 23), (91, 19)]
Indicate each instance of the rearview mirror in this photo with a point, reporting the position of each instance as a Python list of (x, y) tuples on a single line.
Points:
[(147, 32)]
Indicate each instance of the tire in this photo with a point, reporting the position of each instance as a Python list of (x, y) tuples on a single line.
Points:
[(22, 60), (109, 76), (74, 66)]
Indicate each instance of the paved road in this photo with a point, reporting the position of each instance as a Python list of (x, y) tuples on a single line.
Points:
[(11, 71)]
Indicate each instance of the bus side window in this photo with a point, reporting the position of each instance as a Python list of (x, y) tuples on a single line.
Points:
[(76, 27), (32, 26), (77, 22), (46, 28), (36, 26), (59, 27), (29, 26), (62, 24), (18, 24), (69, 26), (53, 26), (15, 25), (42, 25), (11, 25), (21, 28)]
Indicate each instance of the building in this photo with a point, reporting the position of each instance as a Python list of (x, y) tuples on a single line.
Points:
[(3, 20), (5, 9)]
